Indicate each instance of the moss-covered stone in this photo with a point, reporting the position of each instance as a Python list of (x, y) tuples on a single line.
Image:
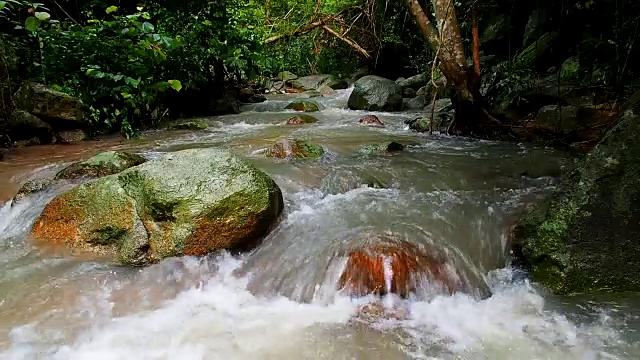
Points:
[(301, 120), (385, 147), (31, 187), (537, 52), (190, 125), (191, 202), (103, 164), (306, 106), (294, 149), (587, 237)]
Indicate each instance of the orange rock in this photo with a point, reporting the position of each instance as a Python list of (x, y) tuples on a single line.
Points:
[(371, 120), (404, 264)]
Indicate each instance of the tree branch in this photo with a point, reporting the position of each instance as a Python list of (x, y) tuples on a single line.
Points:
[(348, 41)]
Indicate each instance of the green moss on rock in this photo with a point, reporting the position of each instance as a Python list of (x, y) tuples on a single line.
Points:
[(295, 149), (306, 106), (301, 120), (191, 202), (190, 125), (103, 164), (586, 237)]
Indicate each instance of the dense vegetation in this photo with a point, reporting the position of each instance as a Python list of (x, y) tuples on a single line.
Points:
[(131, 62)]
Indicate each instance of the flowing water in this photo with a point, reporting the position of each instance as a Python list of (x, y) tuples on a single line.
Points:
[(281, 301)]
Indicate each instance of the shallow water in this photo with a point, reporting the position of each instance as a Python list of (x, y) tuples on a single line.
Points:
[(281, 300)]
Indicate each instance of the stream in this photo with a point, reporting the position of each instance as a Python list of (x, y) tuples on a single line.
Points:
[(281, 300)]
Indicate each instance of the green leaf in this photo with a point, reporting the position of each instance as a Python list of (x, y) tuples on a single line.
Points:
[(131, 81), (175, 84), (42, 16), (111, 9), (126, 95), (32, 24), (147, 27)]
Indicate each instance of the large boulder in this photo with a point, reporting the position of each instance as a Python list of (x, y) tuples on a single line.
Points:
[(415, 82), (587, 236), (23, 125), (443, 112), (57, 108), (375, 93), (103, 164), (314, 82), (190, 202)]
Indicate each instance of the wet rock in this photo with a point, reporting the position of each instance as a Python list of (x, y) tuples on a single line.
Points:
[(190, 202), (370, 120), (31, 187), (301, 120), (245, 94), (443, 113), (313, 82), (326, 90), (309, 94), (375, 93), (285, 76), (103, 164), (415, 82), (390, 147), (418, 102), (409, 93), (398, 267), (376, 311), (190, 125), (306, 106), (587, 236), (294, 149), (23, 126)]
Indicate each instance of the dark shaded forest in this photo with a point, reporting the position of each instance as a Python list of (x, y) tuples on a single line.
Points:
[(552, 71)]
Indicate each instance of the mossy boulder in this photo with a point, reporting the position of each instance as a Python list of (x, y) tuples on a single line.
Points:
[(306, 106), (189, 125), (301, 120), (190, 202), (103, 164), (375, 93), (294, 149), (587, 236), (571, 71), (538, 53)]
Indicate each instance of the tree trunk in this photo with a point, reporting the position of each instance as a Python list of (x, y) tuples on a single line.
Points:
[(471, 116)]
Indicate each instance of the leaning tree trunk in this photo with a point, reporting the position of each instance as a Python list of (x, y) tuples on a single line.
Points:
[(471, 116)]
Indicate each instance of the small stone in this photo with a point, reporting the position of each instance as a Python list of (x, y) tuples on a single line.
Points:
[(370, 120), (295, 149), (190, 125), (301, 120)]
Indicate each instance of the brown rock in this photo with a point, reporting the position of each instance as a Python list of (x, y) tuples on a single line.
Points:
[(371, 120), (301, 120), (406, 264)]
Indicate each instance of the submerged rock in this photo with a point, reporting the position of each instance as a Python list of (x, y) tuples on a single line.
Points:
[(390, 146), (370, 120), (31, 187), (398, 267), (190, 202), (306, 106), (190, 125), (375, 93), (295, 149), (587, 236), (301, 120), (103, 164), (309, 94)]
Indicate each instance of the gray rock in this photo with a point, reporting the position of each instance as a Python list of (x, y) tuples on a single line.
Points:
[(375, 93), (415, 103), (536, 26), (22, 126)]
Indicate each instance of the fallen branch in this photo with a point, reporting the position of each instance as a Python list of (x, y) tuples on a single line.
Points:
[(348, 41), (301, 31)]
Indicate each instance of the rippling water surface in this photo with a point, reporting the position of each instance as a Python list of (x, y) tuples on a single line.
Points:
[(281, 300)]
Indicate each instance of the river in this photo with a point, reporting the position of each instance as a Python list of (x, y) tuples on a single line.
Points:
[(280, 301)]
